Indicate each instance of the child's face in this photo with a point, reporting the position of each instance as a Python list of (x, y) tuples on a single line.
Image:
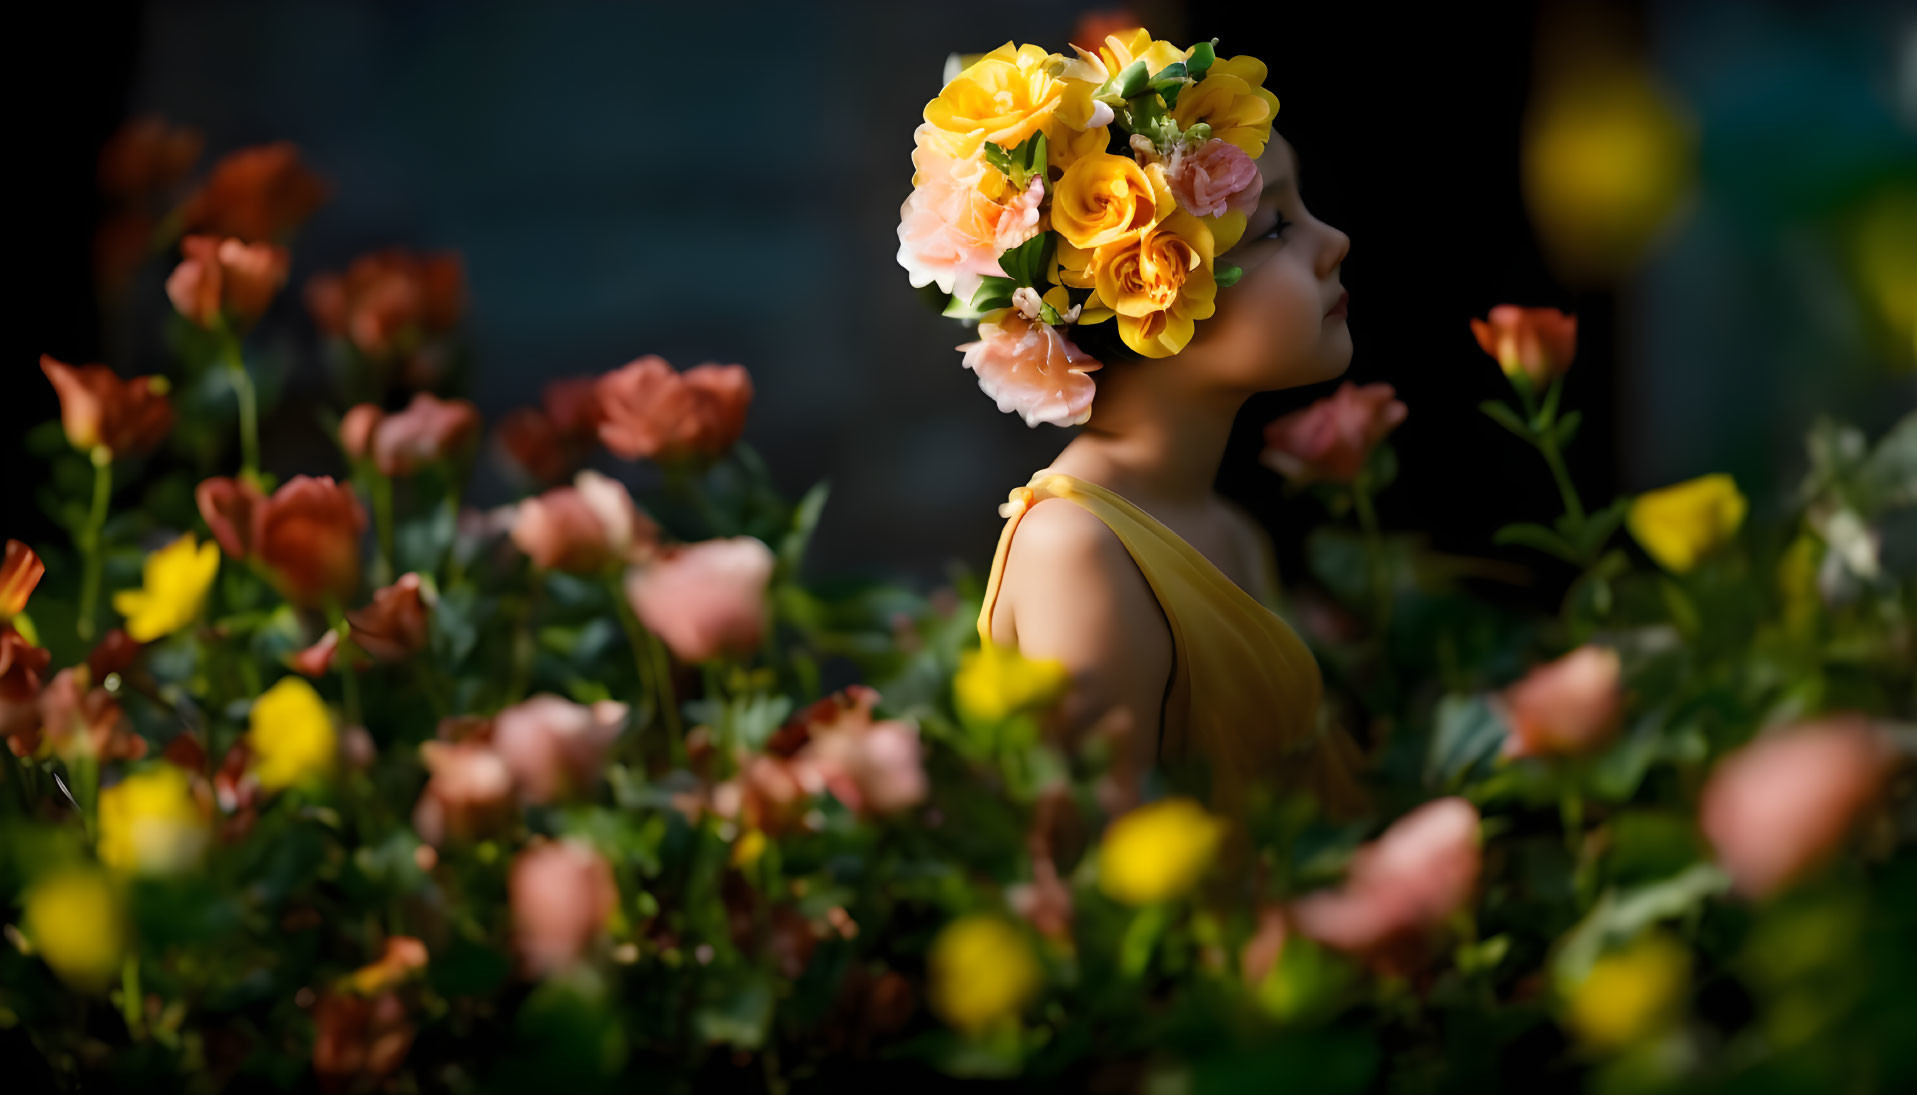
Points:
[(1283, 324)]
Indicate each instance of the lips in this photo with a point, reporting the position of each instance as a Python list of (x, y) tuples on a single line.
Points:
[(1343, 305)]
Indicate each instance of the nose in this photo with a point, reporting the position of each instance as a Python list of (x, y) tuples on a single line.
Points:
[(1332, 255)]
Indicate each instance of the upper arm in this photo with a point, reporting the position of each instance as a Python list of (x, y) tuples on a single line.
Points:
[(1078, 597)]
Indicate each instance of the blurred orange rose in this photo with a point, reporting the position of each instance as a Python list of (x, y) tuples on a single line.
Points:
[(706, 599), (393, 627), (225, 277), (97, 408), (79, 719), (1539, 342), (228, 507), (388, 302), (357, 1040), (308, 533), (1778, 808), (561, 894), (22, 669), (147, 156), (259, 194), (647, 410), (1330, 440), (1570, 705), (19, 573), (468, 795), (584, 528)]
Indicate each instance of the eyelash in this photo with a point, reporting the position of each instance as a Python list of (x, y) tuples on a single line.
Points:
[(1277, 229)]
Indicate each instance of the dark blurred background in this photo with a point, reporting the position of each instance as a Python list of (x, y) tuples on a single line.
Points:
[(1725, 193)]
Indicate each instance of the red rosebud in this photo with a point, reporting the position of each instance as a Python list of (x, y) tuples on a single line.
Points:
[(97, 408)]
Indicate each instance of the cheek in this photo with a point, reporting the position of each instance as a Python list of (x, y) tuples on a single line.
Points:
[(1283, 294)]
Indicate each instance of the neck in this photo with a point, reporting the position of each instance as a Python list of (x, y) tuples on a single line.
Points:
[(1150, 444)]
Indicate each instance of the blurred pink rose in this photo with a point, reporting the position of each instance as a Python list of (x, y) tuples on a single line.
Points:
[(1400, 887), (584, 528), (950, 233), (646, 410), (393, 627), (706, 599), (871, 767), (468, 795), (1215, 178), (1778, 808), (1331, 439), (428, 431), (227, 277), (561, 894), (1032, 368), (1571, 705), (1538, 342), (554, 747)]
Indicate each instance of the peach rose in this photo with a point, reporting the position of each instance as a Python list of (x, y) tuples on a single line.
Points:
[(308, 532), (1031, 368), (959, 218), (1215, 178), (555, 747), (1779, 807), (1571, 705), (1538, 342), (97, 408), (1400, 887), (561, 894), (258, 194), (393, 627), (873, 767), (647, 410), (227, 277), (706, 599), (468, 795), (584, 528), (1331, 439)]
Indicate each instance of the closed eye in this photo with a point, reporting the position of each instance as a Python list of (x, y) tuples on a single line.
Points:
[(1277, 229)]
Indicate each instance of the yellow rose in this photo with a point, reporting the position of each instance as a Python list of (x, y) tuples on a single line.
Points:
[(1157, 852), (1071, 145), (1118, 51), (1233, 101), (76, 923), (1159, 282), (980, 973), (150, 823), (291, 735), (1005, 97), (174, 580), (1680, 524), (1103, 198), (1630, 993), (995, 682)]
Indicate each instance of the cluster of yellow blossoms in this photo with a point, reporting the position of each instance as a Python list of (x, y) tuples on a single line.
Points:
[(1104, 186)]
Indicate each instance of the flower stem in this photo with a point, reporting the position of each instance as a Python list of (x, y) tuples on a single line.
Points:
[(381, 488), (249, 409), (90, 546), (1374, 553), (1548, 445), (132, 1002)]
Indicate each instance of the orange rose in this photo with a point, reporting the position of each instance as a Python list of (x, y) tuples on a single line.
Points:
[(388, 302), (393, 627), (308, 532), (259, 194), (98, 409), (1538, 342), (19, 573), (647, 410)]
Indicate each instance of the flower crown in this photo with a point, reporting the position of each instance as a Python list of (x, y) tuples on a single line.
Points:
[(1052, 191)]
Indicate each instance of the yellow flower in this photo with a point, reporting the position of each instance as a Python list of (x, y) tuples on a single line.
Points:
[(175, 580), (1158, 281), (1158, 851), (1005, 97), (291, 735), (76, 923), (1103, 198), (1680, 524), (980, 972), (1630, 993), (996, 681), (1119, 50), (1232, 100), (150, 823)]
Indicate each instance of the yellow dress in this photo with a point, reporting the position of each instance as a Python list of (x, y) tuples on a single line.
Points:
[(1245, 691)]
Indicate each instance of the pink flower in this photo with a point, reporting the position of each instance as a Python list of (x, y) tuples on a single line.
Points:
[(583, 528), (871, 767), (1032, 368), (706, 599), (393, 627), (1215, 178), (950, 233), (228, 277), (1570, 705), (647, 410), (561, 894), (1778, 808), (428, 431), (1331, 439), (1538, 342), (555, 747), (469, 794), (1400, 887)]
